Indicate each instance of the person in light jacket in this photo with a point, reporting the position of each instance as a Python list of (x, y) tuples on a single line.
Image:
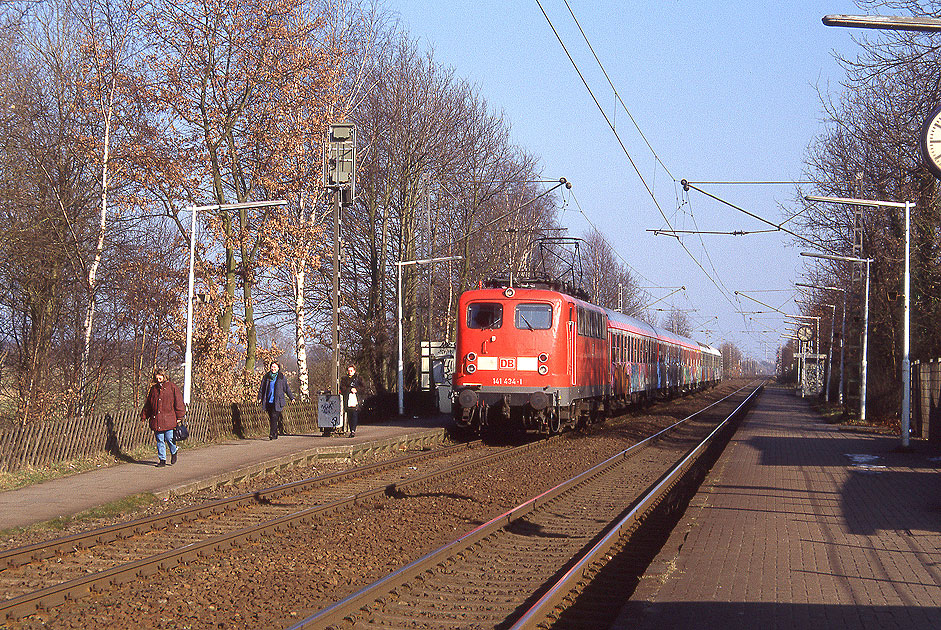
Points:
[(164, 409), (274, 387)]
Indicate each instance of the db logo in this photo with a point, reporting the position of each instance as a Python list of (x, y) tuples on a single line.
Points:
[(507, 363)]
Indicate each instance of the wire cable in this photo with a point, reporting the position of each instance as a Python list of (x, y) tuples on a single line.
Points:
[(614, 249), (626, 152), (763, 220), (616, 95)]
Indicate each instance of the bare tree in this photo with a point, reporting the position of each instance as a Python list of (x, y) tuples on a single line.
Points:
[(869, 150), (609, 281)]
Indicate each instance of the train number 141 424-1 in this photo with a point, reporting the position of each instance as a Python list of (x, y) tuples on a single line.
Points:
[(507, 380)]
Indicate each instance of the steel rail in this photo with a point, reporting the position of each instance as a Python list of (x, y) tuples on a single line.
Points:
[(19, 556), (57, 594), (554, 597), (345, 608)]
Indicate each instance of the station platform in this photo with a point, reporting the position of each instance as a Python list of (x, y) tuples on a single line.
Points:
[(802, 524), (208, 466)]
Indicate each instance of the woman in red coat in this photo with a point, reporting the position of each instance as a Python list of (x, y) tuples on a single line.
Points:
[(164, 409)]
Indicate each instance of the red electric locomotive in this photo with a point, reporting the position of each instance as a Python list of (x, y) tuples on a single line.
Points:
[(535, 358)]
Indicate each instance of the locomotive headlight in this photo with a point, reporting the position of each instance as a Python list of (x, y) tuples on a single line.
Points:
[(543, 357), (543, 370), (471, 357), (539, 400), (471, 368), (509, 292), (467, 398)]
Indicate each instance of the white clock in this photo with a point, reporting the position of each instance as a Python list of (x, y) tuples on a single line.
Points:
[(931, 141), (804, 333)]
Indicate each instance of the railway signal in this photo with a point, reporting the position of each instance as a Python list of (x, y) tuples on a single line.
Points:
[(339, 175)]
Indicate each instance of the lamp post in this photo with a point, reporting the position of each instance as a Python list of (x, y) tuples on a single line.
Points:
[(906, 309), (842, 328), (865, 350), (194, 210), (398, 319), (816, 346), (826, 393)]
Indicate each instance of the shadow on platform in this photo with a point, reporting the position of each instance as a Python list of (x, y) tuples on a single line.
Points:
[(771, 616)]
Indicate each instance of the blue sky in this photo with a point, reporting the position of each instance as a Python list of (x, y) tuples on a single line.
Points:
[(723, 91)]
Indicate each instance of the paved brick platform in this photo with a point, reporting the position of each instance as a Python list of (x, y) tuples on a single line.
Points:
[(802, 525), (206, 466)]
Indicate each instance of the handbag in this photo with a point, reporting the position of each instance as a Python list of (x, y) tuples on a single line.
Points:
[(352, 401), (180, 432)]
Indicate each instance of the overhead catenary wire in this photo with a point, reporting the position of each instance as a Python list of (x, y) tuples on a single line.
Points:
[(706, 251), (614, 89), (780, 227), (627, 153), (614, 249), (673, 233), (716, 280), (753, 183), (647, 142)]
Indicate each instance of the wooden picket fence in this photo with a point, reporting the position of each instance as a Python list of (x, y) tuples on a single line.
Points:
[(926, 400), (52, 442)]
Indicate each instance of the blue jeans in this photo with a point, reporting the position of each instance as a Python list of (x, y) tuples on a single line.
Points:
[(165, 436)]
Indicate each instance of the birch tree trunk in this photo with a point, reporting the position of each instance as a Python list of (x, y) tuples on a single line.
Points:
[(300, 338), (92, 278)]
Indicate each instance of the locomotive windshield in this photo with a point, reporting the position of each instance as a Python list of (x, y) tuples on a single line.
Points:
[(534, 316), (484, 315)]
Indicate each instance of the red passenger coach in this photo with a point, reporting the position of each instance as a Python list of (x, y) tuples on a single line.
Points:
[(539, 359)]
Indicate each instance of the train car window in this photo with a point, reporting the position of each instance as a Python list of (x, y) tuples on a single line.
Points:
[(533, 316), (485, 315)]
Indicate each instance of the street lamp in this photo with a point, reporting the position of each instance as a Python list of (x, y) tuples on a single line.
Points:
[(884, 22), (398, 319), (826, 393), (865, 350), (906, 310), (842, 326), (194, 210)]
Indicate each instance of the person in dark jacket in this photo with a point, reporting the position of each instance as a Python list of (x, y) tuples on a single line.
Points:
[(164, 409), (274, 387), (351, 388)]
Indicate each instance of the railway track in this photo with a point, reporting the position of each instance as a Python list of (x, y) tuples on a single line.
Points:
[(47, 574), (529, 563), (41, 578)]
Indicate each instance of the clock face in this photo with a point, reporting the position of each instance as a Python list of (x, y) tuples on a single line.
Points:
[(804, 333), (931, 142)]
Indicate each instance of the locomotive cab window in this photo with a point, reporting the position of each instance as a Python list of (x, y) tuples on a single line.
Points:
[(484, 315), (534, 316)]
